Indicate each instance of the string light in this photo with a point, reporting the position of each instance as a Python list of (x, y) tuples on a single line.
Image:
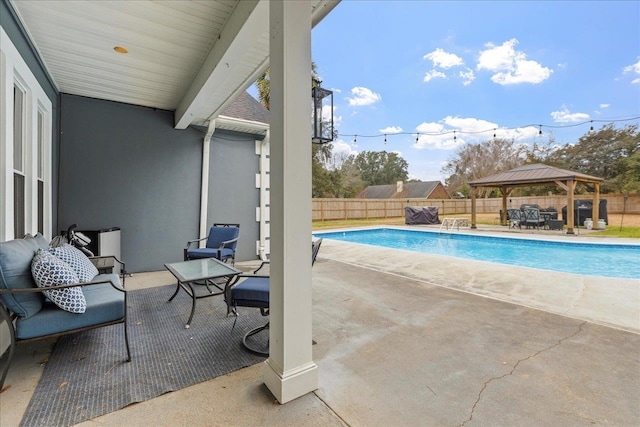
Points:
[(455, 132)]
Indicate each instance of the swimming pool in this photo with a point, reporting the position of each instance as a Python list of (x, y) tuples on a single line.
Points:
[(593, 259)]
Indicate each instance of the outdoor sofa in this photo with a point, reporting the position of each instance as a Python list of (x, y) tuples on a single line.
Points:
[(30, 315)]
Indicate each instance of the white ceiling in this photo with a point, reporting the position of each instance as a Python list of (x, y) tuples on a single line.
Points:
[(193, 57)]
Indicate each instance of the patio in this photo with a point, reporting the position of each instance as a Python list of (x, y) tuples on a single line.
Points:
[(402, 343)]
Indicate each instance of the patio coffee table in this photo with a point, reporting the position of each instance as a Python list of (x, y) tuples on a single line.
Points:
[(201, 270)]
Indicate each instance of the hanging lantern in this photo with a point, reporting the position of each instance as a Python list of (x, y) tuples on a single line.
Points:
[(322, 126)]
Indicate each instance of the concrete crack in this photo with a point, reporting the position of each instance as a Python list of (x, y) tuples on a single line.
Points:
[(342, 420), (484, 386), (577, 298)]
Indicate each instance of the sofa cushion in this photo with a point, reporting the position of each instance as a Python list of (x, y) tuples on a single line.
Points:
[(77, 260), (15, 273), (48, 270), (104, 304)]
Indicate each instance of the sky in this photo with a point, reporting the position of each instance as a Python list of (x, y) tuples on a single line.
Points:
[(479, 68)]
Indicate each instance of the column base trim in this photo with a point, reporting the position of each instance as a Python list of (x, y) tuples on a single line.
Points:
[(293, 384)]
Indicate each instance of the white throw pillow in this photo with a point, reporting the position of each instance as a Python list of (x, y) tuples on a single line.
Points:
[(48, 270), (83, 267)]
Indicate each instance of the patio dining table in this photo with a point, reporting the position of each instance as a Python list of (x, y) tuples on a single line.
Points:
[(547, 216), (194, 276)]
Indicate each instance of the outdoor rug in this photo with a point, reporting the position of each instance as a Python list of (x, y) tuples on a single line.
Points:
[(87, 374)]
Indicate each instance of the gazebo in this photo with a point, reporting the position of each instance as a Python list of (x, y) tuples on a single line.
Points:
[(537, 174)]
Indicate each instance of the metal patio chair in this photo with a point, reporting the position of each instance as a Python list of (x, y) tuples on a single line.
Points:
[(221, 244), (532, 218), (515, 218), (252, 290)]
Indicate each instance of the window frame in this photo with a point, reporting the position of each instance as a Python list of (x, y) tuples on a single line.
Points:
[(37, 146)]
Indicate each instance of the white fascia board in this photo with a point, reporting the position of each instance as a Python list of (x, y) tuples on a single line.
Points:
[(249, 21), (248, 126), (245, 24)]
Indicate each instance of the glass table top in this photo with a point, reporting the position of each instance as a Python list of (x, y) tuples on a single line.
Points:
[(199, 269)]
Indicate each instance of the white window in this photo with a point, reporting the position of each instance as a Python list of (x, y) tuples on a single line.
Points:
[(25, 148)]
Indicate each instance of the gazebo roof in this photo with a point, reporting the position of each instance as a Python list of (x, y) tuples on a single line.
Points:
[(534, 174)]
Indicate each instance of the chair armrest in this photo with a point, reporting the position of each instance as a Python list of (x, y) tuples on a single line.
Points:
[(194, 241), (226, 242), (123, 270), (189, 243), (50, 288), (261, 265)]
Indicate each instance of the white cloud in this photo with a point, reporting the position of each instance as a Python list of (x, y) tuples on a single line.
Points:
[(431, 127), (518, 134), (363, 96), (342, 147), (511, 66), (437, 137), (469, 124), (633, 69), (605, 105), (565, 116), (391, 129), (467, 76), (442, 59), (452, 132), (434, 74)]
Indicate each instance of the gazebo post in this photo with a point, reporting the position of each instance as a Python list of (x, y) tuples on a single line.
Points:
[(571, 187), (473, 207), (505, 193), (595, 215)]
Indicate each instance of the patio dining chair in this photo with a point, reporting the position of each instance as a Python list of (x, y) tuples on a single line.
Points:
[(221, 244), (252, 290), (515, 218), (533, 218)]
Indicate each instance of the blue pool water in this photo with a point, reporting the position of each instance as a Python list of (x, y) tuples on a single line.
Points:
[(593, 259)]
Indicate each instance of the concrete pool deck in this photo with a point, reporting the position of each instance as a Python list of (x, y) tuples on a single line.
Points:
[(416, 339), (608, 301)]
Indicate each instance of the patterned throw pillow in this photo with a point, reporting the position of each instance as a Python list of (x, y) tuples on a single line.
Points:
[(48, 270), (83, 267)]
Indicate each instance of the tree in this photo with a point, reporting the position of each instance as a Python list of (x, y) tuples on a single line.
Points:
[(609, 153), (320, 177), (262, 84), (346, 180), (474, 161), (630, 181), (381, 167)]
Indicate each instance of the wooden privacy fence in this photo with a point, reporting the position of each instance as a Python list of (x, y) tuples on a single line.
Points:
[(334, 209)]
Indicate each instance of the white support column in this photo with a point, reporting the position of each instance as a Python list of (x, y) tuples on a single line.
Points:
[(290, 371)]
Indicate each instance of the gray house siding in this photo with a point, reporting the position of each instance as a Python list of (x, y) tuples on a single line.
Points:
[(233, 196), (126, 166), (17, 34)]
